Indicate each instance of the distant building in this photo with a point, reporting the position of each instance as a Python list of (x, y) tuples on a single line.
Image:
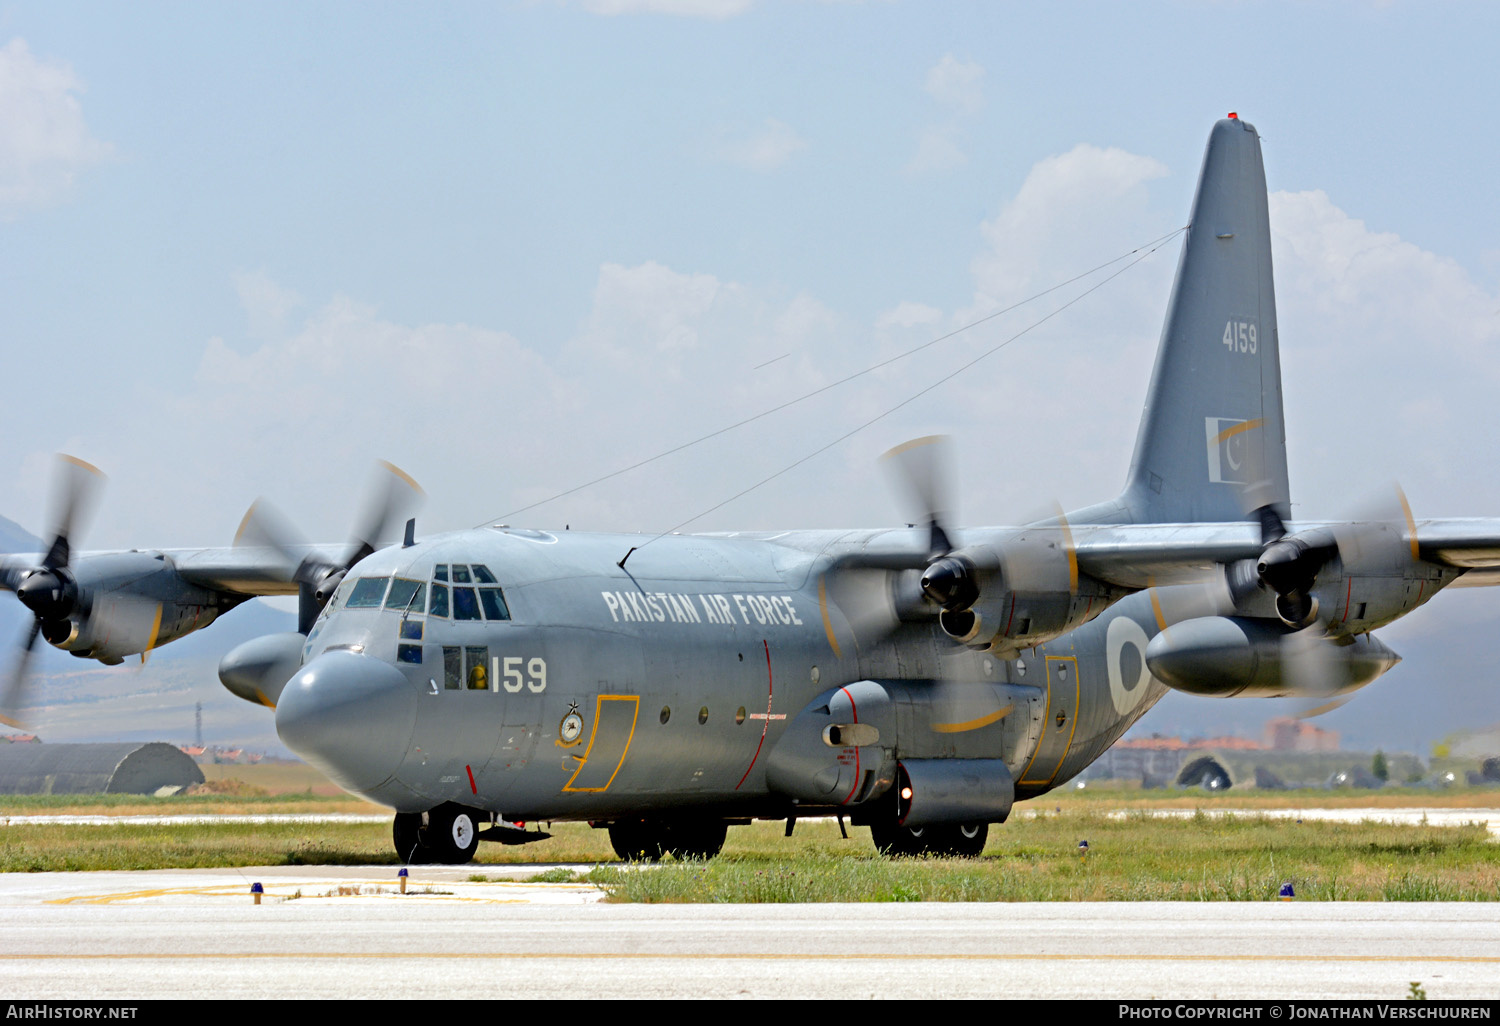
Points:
[(1286, 734)]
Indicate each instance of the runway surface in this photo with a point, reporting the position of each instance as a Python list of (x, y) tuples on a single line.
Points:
[(346, 932)]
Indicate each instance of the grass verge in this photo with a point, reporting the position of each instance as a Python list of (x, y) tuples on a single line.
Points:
[(1132, 857)]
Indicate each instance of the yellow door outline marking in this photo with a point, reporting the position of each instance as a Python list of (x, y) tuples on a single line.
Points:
[(635, 714), (1047, 718)]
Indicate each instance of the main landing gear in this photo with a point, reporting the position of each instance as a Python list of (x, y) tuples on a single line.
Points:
[(449, 837), (649, 840), (944, 840)]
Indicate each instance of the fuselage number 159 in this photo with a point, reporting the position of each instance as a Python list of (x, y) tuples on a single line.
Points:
[(508, 672)]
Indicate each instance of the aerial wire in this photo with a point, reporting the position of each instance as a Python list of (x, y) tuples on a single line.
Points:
[(917, 395), (1148, 247)]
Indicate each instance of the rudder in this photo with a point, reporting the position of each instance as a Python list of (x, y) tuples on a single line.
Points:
[(1212, 439)]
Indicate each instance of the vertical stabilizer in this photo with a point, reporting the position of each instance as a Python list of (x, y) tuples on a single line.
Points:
[(1212, 441)]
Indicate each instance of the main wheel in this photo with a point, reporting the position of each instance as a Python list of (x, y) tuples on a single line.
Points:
[(406, 834), (451, 834), (898, 841), (695, 840), (969, 838), (942, 840), (637, 840)]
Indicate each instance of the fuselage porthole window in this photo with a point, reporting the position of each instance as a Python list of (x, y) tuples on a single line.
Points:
[(439, 606), (493, 601), (368, 593)]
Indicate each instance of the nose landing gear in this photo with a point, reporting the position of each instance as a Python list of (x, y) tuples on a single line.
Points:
[(449, 835)]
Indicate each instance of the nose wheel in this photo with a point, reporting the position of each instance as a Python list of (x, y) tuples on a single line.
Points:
[(450, 836)]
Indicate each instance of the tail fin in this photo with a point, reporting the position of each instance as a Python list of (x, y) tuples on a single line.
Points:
[(1212, 441)]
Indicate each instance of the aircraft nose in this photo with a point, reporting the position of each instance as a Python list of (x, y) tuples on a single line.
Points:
[(350, 715)]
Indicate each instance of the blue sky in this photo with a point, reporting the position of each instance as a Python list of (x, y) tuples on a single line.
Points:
[(570, 190), (251, 248)]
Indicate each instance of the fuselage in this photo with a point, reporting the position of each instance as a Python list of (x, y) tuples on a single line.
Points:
[(529, 674)]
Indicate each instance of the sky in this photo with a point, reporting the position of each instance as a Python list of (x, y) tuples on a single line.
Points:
[(249, 249)]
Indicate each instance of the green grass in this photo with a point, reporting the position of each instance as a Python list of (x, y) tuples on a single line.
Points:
[(1133, 856)]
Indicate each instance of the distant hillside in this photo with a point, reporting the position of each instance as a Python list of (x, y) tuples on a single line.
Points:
[(15, 538)]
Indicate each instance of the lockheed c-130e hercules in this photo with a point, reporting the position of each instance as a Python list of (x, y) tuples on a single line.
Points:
[(917, 680)]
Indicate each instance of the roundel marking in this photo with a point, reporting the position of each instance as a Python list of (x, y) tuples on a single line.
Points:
[(1125, 631)]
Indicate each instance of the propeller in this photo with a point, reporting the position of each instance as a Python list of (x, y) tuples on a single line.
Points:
[(49, 589), (393, 497), (924, 466)]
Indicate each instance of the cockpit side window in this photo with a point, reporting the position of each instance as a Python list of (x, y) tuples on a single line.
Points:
[(465, 604), (367, 593), (407, 595), (494, 604)]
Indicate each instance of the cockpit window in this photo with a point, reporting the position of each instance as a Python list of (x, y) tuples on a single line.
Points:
[(460, 574), (465, 605), (494, 604), (482, 574), (439, 605), (407, 595), (367, 593), (441, 572)]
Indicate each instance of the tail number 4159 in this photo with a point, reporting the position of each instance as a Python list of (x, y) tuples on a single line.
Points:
[(1239, 336)]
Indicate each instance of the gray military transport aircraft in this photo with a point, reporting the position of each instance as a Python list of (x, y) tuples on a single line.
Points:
[(917, 680)]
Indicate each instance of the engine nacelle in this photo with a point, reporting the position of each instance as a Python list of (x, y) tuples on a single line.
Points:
[(1222, 656), (1354, 578), (1018, 594), (127, 603)]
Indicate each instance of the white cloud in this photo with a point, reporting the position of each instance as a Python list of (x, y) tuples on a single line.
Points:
[(937, 150), (765, 149), (957, 84), (958, 88), (44, 142), (1073, 209), (266, 304), (1388, 362), (716, 10), (907, 314)]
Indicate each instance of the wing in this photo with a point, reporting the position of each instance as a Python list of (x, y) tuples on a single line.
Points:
[(1469, 545)]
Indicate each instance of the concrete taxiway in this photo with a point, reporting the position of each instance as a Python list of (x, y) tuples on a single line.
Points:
[(346, 932)]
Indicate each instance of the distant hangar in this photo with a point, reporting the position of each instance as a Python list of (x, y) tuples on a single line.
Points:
[(114, 768)]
